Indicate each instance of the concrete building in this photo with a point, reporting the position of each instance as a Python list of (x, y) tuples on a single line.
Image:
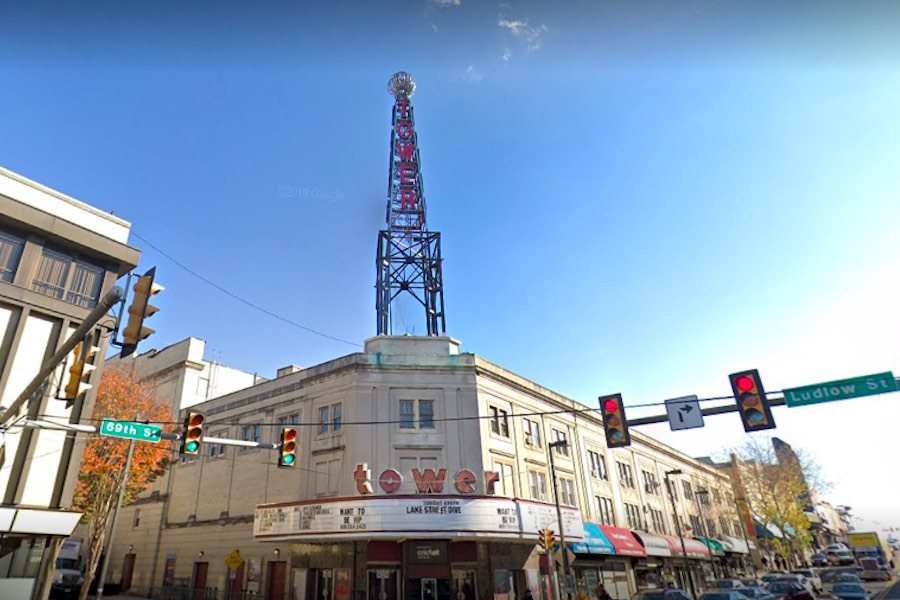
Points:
[(422, 472), (58, 257)]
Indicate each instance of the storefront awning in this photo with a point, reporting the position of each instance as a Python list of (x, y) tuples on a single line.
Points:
[(716, 548), (623, 541), (692, 547), (595, 542), (735, 545), (654, 545), (767, 531)]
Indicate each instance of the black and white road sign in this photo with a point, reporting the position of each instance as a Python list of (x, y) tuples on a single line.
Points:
[(684, 413)]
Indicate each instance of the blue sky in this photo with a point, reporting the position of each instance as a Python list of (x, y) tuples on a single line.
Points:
[(637, 197)]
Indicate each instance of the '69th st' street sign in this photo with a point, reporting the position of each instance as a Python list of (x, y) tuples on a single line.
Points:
[(130, 430), (856, 387)]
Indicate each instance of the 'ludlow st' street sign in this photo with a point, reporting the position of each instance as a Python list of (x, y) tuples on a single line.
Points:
[(856, 387)]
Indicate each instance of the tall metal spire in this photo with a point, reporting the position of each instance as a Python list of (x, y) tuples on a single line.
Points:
[(409, 256)]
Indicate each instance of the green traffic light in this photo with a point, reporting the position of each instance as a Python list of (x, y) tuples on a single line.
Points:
[(288, 459), (192, 446)]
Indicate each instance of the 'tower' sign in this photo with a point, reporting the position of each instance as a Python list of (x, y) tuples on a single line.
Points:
[(428, 481)]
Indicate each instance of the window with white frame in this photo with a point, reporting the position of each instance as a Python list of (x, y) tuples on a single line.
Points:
[(532, 431), (566, 491), (633, 515), (250, 433), (696, 525), (656, 517), (416, 413), (330, 418), (11, 247), (285, 420), (74, 280), (560, 436), (217, 449), (626, 475), (597, 463), (688, 491), (651, 484), (537, 484), (605, 510), (499, 421), (505, 485)]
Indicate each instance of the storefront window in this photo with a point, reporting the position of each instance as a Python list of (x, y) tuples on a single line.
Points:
[(384, 584), (464, 584)]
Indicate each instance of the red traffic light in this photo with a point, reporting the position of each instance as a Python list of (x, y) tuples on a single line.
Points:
[(611, 406), (195, 419), (615, 424), (744, 383), (193, 433), (288, 455)]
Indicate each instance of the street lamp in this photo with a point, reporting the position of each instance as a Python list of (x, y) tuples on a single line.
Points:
[(562, 534), (678, 527)]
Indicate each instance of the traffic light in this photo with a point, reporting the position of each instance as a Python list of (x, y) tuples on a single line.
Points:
[(140, 310), (78, 374), (547, 539), (751, 400), (192, 435), (288, 456), (614, 423)]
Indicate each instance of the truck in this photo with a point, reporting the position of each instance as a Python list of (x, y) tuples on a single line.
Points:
[(870, 545), (68, 576)]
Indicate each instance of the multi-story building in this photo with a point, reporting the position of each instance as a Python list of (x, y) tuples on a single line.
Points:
[(58, 257), (422, 472)]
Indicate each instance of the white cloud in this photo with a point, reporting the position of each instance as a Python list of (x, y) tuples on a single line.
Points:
[(445, 3), (473, 75), (531, 35), (506, 55), (434, 27)]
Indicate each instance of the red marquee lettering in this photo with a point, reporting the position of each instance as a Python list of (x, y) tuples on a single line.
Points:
[(490, 478), (406, 150), (429, 482), (404, 129), (403, 109), (407, 173), (464, 481), (362, 476), (407, 198), (390, 481)]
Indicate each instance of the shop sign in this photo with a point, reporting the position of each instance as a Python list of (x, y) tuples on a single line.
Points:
[(427, 553), (430, 516)]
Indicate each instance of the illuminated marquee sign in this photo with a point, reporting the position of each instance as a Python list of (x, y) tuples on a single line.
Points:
[(434, 516), (428, 481)]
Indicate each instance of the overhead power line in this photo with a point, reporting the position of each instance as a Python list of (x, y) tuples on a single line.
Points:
[(241, 299)]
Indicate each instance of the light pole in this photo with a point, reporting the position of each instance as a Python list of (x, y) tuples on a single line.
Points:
[(743, 524), (562, 534), (687, 567)]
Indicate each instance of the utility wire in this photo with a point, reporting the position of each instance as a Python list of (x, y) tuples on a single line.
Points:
[(572, 411), (239, 298)]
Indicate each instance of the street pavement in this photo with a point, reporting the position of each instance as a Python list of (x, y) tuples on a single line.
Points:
[(893, 592)]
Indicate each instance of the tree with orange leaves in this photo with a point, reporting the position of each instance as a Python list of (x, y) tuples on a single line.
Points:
[(102, 474)]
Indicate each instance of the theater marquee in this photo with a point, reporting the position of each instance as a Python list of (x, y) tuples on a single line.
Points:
[(431, 516)]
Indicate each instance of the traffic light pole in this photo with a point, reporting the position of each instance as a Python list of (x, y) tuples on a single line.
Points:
[(687, 566), (115, 521), (562, 532), (111, 298)]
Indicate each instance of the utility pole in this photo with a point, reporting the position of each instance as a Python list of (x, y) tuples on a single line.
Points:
[(112, 529), (703, 524), (562, 533), (687, 567)]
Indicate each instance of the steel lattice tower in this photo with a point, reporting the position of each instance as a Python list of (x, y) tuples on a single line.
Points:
[(409, 256)]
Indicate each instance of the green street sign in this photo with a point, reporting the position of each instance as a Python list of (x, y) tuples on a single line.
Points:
[(856, 387), (130, 430)]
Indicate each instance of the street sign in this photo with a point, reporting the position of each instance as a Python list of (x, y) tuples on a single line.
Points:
[(842, 389), (130, 430), (684, 413), (234, 560)]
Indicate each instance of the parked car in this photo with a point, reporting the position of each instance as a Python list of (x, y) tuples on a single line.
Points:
[(836, 547), (872, 571), (812, 577), (850, 591), (755, 593), (727, 584), (799, 580), (770, 577), (723, 594), (667, 594), (785, 589), (819, 560), (755, 583), (829, 576), (839, 557)]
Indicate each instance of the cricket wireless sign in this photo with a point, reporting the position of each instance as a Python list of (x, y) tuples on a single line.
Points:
[(431, 514)]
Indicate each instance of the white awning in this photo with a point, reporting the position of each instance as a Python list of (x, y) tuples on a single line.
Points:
[(38, 521), (735, 545)]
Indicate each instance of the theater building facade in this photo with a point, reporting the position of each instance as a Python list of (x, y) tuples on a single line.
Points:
[(423, 474)]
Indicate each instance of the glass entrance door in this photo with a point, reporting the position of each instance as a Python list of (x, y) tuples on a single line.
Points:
[(384, 584), (463, 585)]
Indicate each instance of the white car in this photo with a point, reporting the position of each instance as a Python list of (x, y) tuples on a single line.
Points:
[(812, 577)]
